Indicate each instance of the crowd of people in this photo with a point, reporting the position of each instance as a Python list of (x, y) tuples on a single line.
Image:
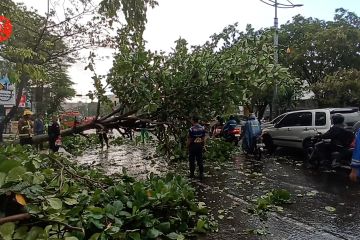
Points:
[(339, 140), (338, 137), (28, 126)]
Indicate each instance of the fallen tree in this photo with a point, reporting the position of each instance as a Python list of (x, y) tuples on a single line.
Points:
[(111, 121)]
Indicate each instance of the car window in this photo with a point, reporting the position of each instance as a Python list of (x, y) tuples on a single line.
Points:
[(296, 119), (351, 118), (320, 119), (277, 119)]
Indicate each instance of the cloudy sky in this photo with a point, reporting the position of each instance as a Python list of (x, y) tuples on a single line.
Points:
[(196, 20)]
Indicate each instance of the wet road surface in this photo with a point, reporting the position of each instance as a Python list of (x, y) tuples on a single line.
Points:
[(138, 161), (311, 192), (230, 188)]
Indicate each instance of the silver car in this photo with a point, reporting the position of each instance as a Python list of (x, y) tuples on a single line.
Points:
[(295, 129)]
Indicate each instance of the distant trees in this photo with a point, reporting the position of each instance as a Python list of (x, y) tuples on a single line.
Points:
[(324, 53)]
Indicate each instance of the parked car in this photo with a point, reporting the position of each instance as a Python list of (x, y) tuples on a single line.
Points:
[(295, 129), (272, 122)]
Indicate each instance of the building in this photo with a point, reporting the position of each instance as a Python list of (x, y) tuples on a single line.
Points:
[(114, 99)]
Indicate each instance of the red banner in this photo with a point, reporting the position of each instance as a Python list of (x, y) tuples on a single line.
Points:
[(22, 101)]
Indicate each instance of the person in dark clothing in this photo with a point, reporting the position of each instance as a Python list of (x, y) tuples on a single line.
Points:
[(230, 125), (39, 129), (339, 138), (195, 144), (102, 133), (54, 134)]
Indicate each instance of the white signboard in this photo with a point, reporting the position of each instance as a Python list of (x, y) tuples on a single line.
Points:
[(7, 92)]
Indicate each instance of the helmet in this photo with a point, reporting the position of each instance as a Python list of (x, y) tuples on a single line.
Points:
[(337, 118), (27, 112), (231, 117), (252, 116)]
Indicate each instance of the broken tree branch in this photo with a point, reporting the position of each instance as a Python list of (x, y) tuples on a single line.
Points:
[(14, 218)]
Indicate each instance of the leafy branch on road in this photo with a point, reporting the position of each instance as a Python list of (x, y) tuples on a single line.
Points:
[(58, 199)]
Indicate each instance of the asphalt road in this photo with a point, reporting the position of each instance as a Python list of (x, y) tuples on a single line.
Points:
[(325, 205)]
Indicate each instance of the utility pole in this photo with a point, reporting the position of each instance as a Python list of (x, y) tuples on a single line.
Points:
[(276, 5), (276, 61)]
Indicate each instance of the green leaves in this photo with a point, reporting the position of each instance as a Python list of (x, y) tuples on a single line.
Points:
[(270, 202), (134, 236), (330, 209), (175, 236), (15, 174), (158, 206), (21, 232), (55, 203), (7, 230), (218, 150), (70, 201), (153, 233), (7, 164), (95, 236)]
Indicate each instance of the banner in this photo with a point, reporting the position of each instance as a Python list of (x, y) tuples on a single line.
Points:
[(7, 92), (22, 103)]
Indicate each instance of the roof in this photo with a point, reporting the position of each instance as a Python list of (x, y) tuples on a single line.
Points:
[(332, 110)]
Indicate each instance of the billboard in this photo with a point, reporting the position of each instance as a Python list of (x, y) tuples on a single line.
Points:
[(7, 91)]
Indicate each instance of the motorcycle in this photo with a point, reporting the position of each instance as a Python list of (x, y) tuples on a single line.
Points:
[(339, 158), (232, 135), (258, 148)]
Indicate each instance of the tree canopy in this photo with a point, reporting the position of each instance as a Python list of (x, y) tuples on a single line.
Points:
[(320, 48), (231, 69), (42, 47), (341, 89)]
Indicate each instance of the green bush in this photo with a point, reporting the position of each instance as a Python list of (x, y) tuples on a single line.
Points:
[(77, 144), (66, 201), (217, 150)]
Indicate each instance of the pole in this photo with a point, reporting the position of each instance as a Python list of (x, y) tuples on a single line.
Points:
[(276, 61)]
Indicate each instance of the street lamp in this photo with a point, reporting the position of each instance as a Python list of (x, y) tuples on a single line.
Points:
[(276, 4)]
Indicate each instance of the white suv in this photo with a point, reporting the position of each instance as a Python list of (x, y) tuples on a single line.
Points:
[(295, 129)]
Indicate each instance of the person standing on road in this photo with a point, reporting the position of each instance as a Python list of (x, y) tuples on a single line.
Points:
[(252, 130), (54, 134), (25, 128), (144, 132), (102, 133), (195, 144), (39, 128)]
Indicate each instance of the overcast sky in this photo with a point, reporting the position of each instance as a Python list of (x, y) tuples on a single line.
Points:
[(196, 20)]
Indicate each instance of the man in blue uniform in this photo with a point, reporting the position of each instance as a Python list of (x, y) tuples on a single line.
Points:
[(195, 144)]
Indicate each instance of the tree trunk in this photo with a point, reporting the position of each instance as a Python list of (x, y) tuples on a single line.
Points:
[(116, 122), (261, 110)]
